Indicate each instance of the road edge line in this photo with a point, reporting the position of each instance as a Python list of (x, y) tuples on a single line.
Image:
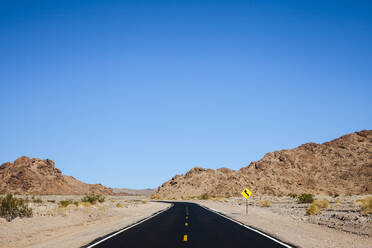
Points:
[(128, 227), (248, 227)]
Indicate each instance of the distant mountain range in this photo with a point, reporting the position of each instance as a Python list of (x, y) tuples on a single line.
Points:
[(342, 166), (125, 191)]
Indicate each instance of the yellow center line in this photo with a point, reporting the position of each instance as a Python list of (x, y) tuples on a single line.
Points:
[(187, 217), (186, 224), (185, 238)]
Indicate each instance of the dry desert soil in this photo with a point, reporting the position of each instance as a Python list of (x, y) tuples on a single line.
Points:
[(73, 226), (340, 226)]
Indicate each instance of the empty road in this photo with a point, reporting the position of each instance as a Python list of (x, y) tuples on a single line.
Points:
[(187, 225)]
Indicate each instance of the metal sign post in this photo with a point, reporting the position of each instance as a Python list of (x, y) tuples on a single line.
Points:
[(246, 193)]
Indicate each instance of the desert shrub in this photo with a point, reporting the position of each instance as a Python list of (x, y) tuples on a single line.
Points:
[(155, 197), (204, 196), (65, 203), (365, 205), (292, 195), (36, 200), (144, 202), (52, 201), (333, 194), (265, 204), (313, 210), (316, 206), (86, 204), (321, 203), (118, 205), (305, 198), (11, 208), (76, 203), (93, 198)]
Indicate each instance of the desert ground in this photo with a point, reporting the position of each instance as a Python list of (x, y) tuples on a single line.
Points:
[(53, 225), (340, 225)]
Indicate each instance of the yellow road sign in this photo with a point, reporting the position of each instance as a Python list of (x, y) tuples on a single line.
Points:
[(246, 193)]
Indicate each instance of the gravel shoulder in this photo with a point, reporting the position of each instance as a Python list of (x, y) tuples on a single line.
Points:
[(288, 228), (73, 226)]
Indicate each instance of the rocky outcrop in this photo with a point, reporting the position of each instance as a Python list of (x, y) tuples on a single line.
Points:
[(35, 176), (342, 166)]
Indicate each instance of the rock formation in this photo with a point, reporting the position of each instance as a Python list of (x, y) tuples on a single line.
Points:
[(342, 166), (35, 176)]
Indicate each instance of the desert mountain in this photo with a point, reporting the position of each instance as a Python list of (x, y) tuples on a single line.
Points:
[(342, 166), (35, 176)]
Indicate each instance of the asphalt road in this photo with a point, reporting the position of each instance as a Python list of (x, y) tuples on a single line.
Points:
[(188, 225)]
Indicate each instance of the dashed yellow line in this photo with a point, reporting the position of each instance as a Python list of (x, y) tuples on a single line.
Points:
[(185, 238), (187, 217), (186, 224)]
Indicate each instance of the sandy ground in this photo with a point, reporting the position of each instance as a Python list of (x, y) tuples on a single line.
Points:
[(73, 226), (290, 227)]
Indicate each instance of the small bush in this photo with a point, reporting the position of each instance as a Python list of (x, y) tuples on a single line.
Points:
[(86, 204), (316, 206), (204, 196), (76, 203), (52, 201), (365, 205), (92, 198), (36, 200), (144, 202), (333, 194), (65, 203), (265, 204), (313, 210), (292, 195), (11, 208), (321, 203), (155, 197), (305, 198), (118, 205)]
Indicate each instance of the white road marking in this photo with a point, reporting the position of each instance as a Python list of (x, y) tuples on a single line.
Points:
[(248, 227), (126, 228), (209, 209)]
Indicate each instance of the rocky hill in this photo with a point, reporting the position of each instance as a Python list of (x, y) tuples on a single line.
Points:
[(342, 166), (35, 176)]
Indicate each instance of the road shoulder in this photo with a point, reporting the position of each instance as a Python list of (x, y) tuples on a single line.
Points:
[(74, 227), (287, 229)]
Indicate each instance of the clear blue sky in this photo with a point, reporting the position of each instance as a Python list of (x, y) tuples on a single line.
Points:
[(130, 93)]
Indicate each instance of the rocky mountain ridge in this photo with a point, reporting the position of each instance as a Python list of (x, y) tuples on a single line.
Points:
[(342, 166), (40, 177)]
